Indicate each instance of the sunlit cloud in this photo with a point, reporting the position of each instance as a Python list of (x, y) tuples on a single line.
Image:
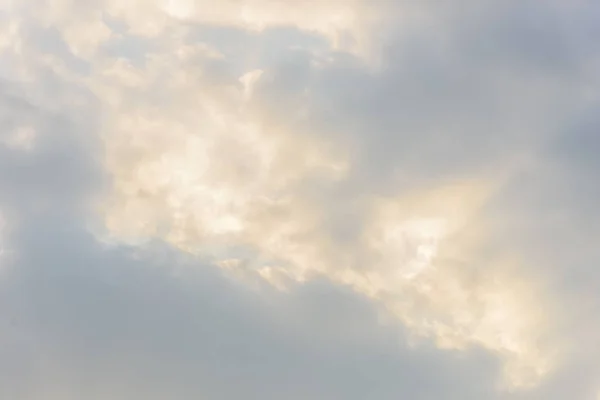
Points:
[(213, 175), (257, 137)]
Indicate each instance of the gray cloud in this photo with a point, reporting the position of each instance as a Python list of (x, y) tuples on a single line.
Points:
[(81, 320), (500, 94)]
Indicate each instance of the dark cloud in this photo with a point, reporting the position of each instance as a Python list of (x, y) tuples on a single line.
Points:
[(62, 165), (81, 320), (471, 95)]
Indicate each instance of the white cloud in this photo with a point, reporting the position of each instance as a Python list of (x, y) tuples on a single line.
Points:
[(213, 171), (282, 161), (347, 24)]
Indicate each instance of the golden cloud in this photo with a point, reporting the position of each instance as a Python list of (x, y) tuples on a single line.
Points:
[(211, 174)]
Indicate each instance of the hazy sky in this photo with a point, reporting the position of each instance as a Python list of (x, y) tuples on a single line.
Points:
[(299, 199)]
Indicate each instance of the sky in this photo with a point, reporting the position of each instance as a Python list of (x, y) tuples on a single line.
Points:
[(289, 200)]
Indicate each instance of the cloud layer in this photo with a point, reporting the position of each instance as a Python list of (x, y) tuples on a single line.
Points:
[(345, 199)]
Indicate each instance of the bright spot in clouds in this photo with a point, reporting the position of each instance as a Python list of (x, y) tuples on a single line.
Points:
[(22, 139)]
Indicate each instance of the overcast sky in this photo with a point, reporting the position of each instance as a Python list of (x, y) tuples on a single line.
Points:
[(299, 199)]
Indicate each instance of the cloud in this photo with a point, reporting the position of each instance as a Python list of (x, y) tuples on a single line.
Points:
[(283, 169), (87, 318), (244, 170), (87, 321)]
